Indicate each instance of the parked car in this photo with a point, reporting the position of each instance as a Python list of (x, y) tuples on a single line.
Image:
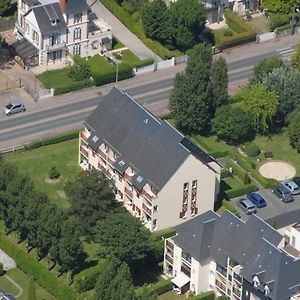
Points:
[(282, 193), (257, 199), (292, 186), (297, 180), (13, 107), (247, 206)]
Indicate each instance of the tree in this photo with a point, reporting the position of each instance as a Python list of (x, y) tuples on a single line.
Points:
[(294, 130), (54, 173), (147, 294), (285, 81), (122, 236), (115, 283), (31, 295), (91, 197), (155, 18), (264, 67), (4, 7), (261, 105), (80, 70), (219, 79), (232, 125), (295, 61), (191, 98), (280, 6), (186, 22)]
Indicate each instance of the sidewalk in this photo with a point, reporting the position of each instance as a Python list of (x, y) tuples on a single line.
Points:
[(121, 32)]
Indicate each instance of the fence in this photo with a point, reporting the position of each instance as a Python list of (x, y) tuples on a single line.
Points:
[(7, 23), (156, 66)]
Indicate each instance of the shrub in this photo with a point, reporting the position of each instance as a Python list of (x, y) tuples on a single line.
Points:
[(229, 206), (247, 179), (80, 71), (278, 19), (53, 140), (73, 86), (54, 173), (234, 193), (204, 296), (84, 284), (294, 130), (252, 150), (227, 32), (2, 271), (218, 154), (161, 287)]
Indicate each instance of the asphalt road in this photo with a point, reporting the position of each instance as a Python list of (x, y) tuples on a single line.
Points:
[(29, 126)]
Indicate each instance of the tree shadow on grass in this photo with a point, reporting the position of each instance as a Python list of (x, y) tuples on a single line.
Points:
[(146, 275)]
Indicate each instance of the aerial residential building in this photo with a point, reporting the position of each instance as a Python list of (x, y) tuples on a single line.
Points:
[(242, 260), (159, 175), (48, 31)]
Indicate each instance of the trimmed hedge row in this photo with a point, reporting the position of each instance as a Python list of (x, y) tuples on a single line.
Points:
[(137, 28), (218, 154), (229, 206), (244, 32), (73, 86), (158, 288), (204, 296), (53, 140), (40, 274), (234, 193)]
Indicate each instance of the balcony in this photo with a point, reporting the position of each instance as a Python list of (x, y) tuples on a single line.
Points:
[(169, 259), (128, 177), (147, 210), (110, 161), (128, 193), (237, 278), (19, 28), (147, 196), (84, 151), (55, 47), (170, 245), (221, 286), (83, 137), (221, 270), (236, 292), (102, 154)]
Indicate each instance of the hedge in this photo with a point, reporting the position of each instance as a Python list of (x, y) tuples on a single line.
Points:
[(252, 150), (218, 154), (158, 288), (229, 206), (137, 28), (244, 32), (278, 19), (165, 233), (73, 86), (234, 193), (204, 296), (40, 274), (53, 140)]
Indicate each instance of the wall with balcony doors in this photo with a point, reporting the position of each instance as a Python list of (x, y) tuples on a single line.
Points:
[(170, 201)]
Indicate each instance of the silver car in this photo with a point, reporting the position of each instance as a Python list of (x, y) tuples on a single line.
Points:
[(13, 107), (292, 186), (247, 206)]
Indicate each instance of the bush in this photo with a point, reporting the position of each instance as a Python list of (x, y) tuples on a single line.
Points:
[(234, 193), (80, 71), (294, 130), (73, 86), (204, 296), (278, 19), (54, 173), (227, 32), (252, 150), (84, 284), (218, 154), (2, 271), (53, 140), (161, 287)]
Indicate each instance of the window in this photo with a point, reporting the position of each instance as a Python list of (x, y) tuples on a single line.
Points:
[(35, 37), (77, 18), (293, 241), (185, 186), (54, 39), (27, 28), (77, 33), (194, 184), (76, 49)]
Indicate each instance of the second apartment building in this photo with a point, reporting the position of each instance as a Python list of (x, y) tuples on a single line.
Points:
[(159, 175)]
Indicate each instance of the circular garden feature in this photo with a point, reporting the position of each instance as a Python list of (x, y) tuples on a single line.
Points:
[(278, 170)]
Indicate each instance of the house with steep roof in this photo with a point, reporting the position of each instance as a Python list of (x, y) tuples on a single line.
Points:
[(235, 258), (50, 30), (159, 175)]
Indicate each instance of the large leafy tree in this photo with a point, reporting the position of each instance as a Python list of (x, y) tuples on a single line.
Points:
[(261, 105), (91, 197), (155, 19), (191, 98), (123, 236), (4, 7), (264, 67), (281, 6), (285, 81), (294, 130), (232, 125), (219, 79)]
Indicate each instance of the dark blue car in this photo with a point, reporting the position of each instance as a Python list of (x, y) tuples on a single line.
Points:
[(257, 199)]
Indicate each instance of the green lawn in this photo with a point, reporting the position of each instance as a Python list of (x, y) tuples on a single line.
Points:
[(260, 24), (171, 296), (55, 78), (36, 164), (22, 280)]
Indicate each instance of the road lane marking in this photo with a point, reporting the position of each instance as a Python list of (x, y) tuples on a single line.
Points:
[(45, 121)]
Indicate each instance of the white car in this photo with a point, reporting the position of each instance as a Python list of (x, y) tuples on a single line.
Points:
[(13, 107), (292, 186)]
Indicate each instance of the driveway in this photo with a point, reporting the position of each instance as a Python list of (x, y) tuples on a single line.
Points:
[(121, 32), (284, 214)]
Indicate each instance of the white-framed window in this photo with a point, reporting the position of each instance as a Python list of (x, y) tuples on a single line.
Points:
[(77, 33), (35, 37), (76, 49)]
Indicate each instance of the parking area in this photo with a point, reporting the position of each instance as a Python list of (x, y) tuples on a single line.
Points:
[(278, 212)]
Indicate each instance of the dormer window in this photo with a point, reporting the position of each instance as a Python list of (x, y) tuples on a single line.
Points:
[(266, 289), (256, 282)]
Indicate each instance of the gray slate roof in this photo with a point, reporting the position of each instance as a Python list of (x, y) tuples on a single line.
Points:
[(253, 244), (76, 6), (45, 14), (153, 148)]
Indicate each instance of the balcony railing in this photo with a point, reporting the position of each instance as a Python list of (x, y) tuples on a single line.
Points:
[(128, 192), (84, 151), (56, 46), (110, 161), (237, 278), (128, 177), (170, 245), (83, 137), (146, 209), (102, 154), (221, 270), (221, 285), (19, 28), (169, 259), (236, 292), (147, 196)]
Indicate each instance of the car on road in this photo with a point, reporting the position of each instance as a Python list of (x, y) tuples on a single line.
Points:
[(257, 199), (247, 206), (282, 193), (292, 186), (13, 107)]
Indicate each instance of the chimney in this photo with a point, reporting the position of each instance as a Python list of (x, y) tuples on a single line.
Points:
[(62, 4)]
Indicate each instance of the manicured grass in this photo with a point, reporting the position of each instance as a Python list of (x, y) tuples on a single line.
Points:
[(54, 78), (36, 164), (8, 286), (260, 24), (232, 182), (129, 58), (171, 296)]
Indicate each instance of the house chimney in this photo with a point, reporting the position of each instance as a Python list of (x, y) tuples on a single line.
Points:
[(62, 4)]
